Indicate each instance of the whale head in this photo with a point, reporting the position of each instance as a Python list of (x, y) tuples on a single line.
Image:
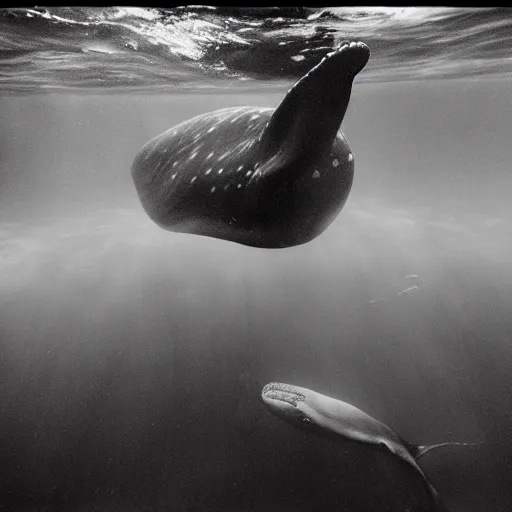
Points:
[(293, 404)]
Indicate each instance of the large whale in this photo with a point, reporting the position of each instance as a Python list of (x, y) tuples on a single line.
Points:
[(327, 416), (262, 177)]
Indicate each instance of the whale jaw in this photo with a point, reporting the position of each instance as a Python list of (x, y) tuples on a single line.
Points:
[(275, 392)]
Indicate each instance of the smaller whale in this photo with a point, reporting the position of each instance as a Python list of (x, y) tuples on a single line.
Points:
[(326, 416)]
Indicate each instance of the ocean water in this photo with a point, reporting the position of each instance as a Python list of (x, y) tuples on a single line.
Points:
[(132, 359)]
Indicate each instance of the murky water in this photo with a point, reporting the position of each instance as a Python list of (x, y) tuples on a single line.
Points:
[(132, 358)]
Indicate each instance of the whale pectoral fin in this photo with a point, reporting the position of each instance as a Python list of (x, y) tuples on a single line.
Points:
[(305, 123), (387, 446), (422, 450)]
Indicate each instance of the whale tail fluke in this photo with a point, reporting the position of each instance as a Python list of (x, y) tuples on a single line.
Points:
[(439, 504), (419, 451)]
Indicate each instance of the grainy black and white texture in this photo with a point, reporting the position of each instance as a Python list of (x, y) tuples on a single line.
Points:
[(132, 358)]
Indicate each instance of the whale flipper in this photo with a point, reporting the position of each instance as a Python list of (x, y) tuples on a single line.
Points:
[(257, 176), (419, 451)]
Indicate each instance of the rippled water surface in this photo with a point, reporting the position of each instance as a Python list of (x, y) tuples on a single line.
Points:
[(206, 47), (132, 358)]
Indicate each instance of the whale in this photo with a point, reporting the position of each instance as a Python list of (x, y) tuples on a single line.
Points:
[(326, 416), (260, 177)]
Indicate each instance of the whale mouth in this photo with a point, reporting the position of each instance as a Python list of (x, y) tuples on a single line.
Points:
[(275, 391)]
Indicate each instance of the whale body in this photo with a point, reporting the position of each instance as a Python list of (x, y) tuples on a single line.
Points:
[(261, 177), (326, 416)]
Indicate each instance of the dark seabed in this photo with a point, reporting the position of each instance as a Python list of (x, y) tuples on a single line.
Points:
[(132, 359)]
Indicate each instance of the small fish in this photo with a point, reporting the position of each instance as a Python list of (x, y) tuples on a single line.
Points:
[(408, 291)]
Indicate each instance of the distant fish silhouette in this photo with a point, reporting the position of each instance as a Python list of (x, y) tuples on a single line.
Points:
[(409, 291), (414, 278), (403, 293), (261, 177), (327, 416)]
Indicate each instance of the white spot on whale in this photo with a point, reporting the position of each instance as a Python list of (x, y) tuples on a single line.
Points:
[(239, 186), (248, 173), (255, 116), (335, 163), (221, 157), (208, 171), (316, 175), (220, 170), (211, 129), (240, 168), (193, 179), (298, 58), (210, 155), (212, 190), (175, 163), (193, 155), (173, 176), (350, 157)]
